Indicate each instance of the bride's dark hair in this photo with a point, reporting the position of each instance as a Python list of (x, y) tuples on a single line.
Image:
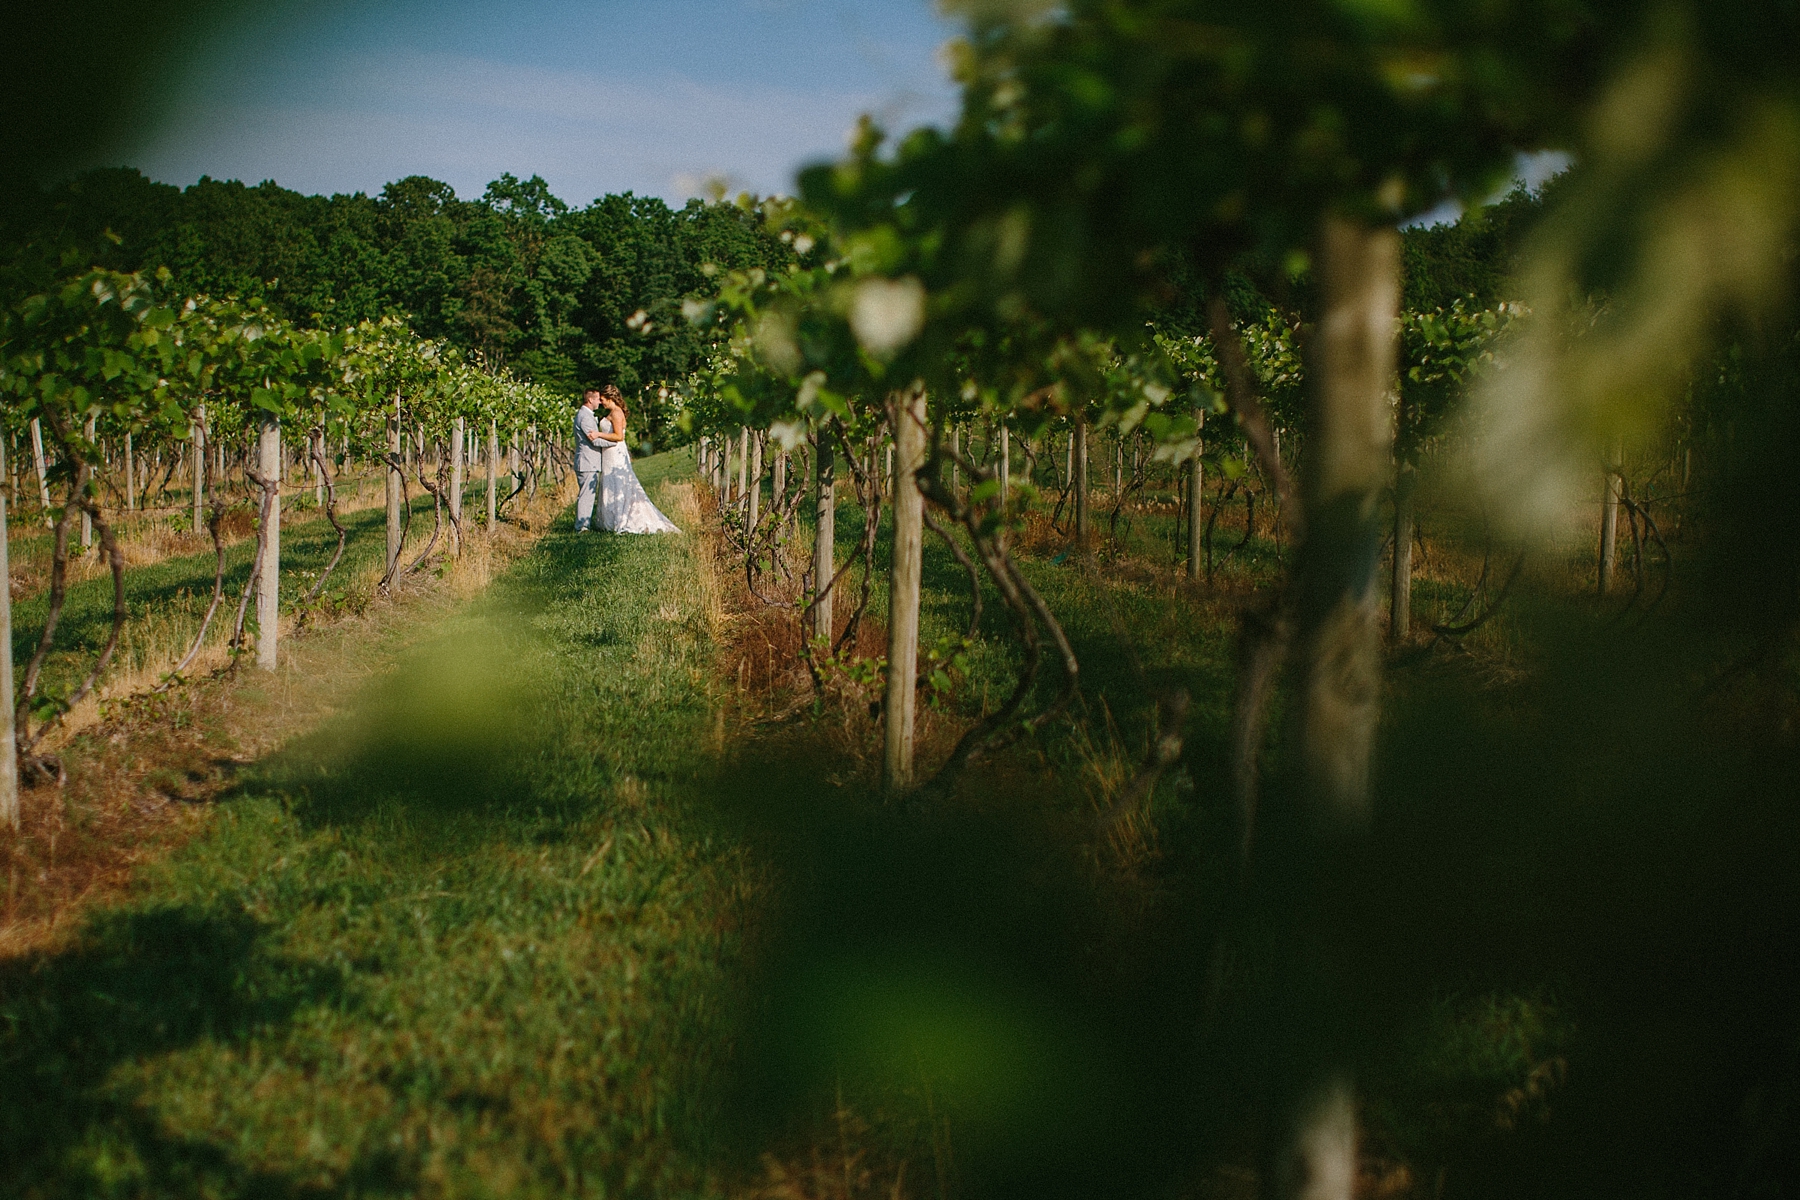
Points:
[(611, 392)]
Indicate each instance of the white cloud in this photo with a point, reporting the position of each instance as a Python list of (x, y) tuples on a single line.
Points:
[(371, 119)]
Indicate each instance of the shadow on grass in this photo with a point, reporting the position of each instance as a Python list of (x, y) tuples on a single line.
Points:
[(140, 984), (460, 730), (964, 975)]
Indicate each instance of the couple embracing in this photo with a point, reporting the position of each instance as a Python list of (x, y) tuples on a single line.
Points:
[(611, 497)]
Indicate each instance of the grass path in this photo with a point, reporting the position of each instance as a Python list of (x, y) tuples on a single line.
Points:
[(471, 937)]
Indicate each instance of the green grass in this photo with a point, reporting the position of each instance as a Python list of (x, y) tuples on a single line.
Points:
[(167, 599), (1008, 939), (473, 937), (1137, 635), (521, 921)]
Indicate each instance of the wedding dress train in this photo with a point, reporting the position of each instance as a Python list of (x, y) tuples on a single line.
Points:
[(625, 507)]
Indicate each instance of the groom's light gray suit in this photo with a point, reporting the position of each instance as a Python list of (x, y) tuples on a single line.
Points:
[(588, 465)]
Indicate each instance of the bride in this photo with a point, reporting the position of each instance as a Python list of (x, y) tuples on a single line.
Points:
[(625, 507)]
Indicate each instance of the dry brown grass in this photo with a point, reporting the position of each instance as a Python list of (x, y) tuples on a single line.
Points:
[(842, 1163), (763, 670), (770, 694)]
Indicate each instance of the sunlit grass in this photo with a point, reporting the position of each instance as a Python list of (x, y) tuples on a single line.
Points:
[(471, 938), (168, 587), (530, 917)]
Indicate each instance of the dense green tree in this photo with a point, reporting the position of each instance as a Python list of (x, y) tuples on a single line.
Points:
[(518, 277), (1473, 259), (419, 228)]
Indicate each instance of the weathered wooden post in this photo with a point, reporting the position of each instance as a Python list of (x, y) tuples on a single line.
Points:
[(908, 420), (743, 471), (268, 587), (1400, 593), (87, 520), (1080, 470), (393, 489), (1005, 465), (1196, 502), (9, 744), (43, 474), (456, 481), (1609, 526), (824, 534), (493, 474), (756, 469)]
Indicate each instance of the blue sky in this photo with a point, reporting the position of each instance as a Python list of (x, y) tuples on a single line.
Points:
[(652, 96)]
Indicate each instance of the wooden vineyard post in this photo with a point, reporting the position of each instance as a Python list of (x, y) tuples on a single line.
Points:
[(903, 588), (1400, 594), (130, 475), (9, 744), (1196, 501), (778, 479), (1609, 527), (756, 470), (393, 490), (1405, 476), (1005, 480), (824, 535), (43, 474), (456, 481), (1005, 465), (1081, 481), (493, 474), (87, 520), (268, 587), (743, 475)]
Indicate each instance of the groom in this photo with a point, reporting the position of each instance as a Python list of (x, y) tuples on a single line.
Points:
[(589, 442)]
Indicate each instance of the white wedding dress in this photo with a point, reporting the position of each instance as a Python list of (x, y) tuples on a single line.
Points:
[(624, 505)]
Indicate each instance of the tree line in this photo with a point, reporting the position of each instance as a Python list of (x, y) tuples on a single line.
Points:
[(558, 295)]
